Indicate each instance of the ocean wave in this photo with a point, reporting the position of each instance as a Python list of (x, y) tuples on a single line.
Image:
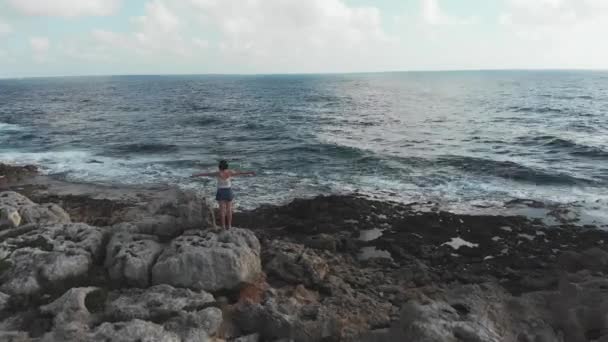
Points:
[(145, 148), (204, 121), (556, 144), (324, 150), (510, 170), (7, 127), (539, 110)]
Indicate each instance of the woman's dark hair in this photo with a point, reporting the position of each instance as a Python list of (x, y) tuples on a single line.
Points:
[(223, 165)]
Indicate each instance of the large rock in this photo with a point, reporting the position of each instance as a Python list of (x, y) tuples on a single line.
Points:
[(295, 263), (196, 326), (71, 316), (17, 209), (170, 216), (9, 217), (209, 261), (153, 303), (49, 257), (132, 331), (14, 199), (130, 257), (44, 214)]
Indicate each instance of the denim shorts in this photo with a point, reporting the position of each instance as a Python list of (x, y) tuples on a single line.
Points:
[(224, 195)]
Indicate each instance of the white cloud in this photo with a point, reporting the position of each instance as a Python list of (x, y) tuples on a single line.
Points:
[(66, 8), (40, 47), (433, 14), (5, 28), (282, 35)]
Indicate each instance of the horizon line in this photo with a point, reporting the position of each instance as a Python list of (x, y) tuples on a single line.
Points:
[(306, 73)]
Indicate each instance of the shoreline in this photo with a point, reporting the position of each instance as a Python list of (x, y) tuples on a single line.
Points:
[(26, 179), (329, 268)]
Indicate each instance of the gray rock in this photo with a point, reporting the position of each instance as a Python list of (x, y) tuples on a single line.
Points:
[(295, 263), (44, 214), (51, 255), (170, 216), (209, 261), (132, 331), (594, 259), (71, 317), (4, 301), (14, 336), (13, 199), (154, 302), (9, 217), (247, 338), (130, 257), (196, 326)]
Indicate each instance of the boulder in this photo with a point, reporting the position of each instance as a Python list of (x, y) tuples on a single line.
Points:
[(170, 216), (153, 303), (48, 257), (44, 214), (9, 217), (132, 331), (130, 257), (17, 209), (196, 326), (295, 263), (594, 259), (71, 316), (209, 260), (14, 199)]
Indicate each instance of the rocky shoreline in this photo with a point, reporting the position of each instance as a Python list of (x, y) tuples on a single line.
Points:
[(86, 263)]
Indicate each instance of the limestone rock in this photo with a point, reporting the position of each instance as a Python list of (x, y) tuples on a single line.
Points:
[(170, 216), (209, 261), (196, 326), (132, 331), (9, 217), (129, 258), (44, 214), (295, 263), (51, 255), (154, 302), (71, 316), (14, 199)]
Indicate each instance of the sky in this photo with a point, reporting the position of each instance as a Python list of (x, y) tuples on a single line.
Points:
[(111, 37)]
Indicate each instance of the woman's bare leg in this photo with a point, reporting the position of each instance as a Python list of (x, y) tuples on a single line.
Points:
[(223, 214), (229, 213)]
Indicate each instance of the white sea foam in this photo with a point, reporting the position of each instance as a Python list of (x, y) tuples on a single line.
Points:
[(458, 242)]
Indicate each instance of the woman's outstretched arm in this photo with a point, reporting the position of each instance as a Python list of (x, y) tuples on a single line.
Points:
[(205, 174), (243, 173)]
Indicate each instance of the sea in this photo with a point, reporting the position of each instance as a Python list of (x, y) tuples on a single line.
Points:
[(464, 140)]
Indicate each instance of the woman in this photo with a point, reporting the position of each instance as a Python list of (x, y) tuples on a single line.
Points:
[(224, 195)]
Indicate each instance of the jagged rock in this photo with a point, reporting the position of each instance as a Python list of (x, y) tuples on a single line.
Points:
[(295, 263), (30, 212), (129, 258), (4, 301), (44, 214), (132, 331), (14, 336), (71, 316), (322, 241), (247, 338), (49, 256), (593, 259), (9, 217), (14, 199), (154, 302), (170, 216), (209, 261), (196, 326)]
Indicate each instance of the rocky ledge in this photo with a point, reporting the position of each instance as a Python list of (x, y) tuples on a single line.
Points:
[(337, 268)]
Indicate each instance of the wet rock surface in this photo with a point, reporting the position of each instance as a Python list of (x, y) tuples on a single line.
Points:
[(336, 268)]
